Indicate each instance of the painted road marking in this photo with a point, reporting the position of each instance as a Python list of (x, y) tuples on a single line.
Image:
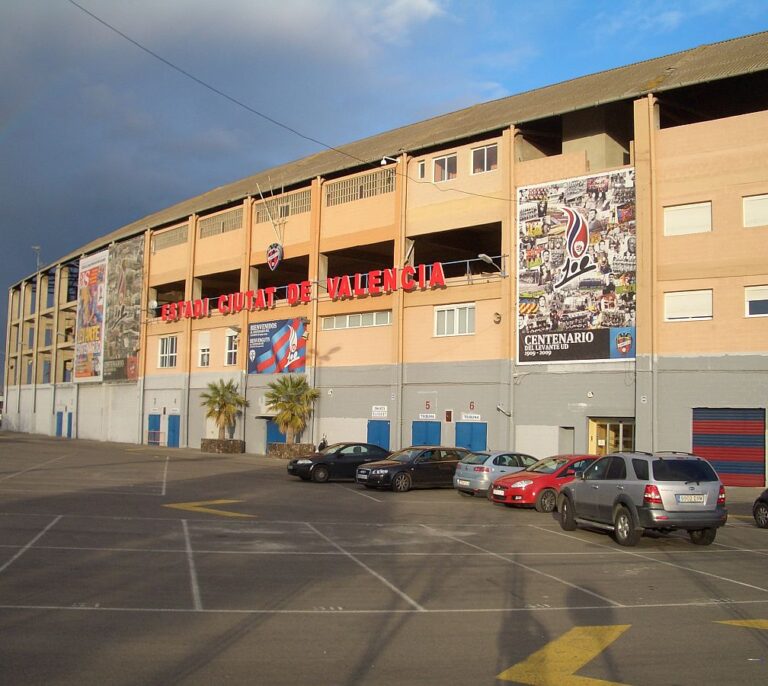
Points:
[(556, 663), (748, 623), (201, 506)]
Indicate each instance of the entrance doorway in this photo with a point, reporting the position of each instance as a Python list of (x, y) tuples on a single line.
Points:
[(609, 435)]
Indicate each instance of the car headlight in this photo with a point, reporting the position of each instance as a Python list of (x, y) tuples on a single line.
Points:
[(379, 471), (303, 461), (521, 484)]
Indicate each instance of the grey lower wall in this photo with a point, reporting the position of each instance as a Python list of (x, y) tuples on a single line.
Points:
[(550, 404)]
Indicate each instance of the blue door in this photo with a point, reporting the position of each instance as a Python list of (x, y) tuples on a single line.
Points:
[(274, 435), (174, 424), (59, 423), (153, 430), (69, 425), (378, 432), (425, 433), (472, 435)]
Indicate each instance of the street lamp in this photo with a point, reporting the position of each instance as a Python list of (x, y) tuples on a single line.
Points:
[(485, 258)]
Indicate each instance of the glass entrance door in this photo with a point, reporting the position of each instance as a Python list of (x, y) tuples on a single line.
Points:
[(610, 435)]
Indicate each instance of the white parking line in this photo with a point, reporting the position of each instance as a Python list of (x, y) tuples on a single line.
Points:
[(198, 604), (29, 545), (165, 476), (389, 585), (30, 469), (657, 561), (526, 567), (358, 492)]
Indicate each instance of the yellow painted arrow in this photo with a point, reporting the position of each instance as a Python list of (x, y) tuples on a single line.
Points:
[(748, 623), (556, 662), (200, 506)]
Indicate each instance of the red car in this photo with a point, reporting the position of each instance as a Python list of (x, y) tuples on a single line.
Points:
[(540, 483)]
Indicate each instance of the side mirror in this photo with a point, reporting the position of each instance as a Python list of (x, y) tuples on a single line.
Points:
[(570, 472)]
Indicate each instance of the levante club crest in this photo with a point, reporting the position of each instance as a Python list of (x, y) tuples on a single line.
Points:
[(624, 342), (274, 255)]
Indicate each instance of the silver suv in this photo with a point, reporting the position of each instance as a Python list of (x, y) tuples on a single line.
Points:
[(629, 492)]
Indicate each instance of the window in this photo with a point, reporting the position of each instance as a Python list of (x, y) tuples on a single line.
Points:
[(455, 320), (204, 349), (683, 219), (445, 168), (641, 469), (231, 352), (168, 348), (354, 321), (422, 169), (485, 159), (756, 301), (687, 305), (755, 211)]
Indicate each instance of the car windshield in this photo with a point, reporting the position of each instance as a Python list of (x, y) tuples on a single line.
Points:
[(548, 465), (330, 449), (683, 470), (475, 458), (407, 455)]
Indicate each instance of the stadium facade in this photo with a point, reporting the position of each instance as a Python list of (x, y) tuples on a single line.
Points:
[(581, 267)]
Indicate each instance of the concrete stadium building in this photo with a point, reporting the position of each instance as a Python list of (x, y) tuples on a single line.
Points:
[(582, 267)]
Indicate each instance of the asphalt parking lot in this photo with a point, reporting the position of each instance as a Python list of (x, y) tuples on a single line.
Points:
[(134, 565)]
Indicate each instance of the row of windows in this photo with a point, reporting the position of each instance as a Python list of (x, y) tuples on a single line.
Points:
[(680, 220), (445, 168), (693, 305), (449, 320)]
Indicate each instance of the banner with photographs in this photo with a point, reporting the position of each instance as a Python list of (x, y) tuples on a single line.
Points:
[(577, 260), (277, 346), (123, 318), (91, 301)]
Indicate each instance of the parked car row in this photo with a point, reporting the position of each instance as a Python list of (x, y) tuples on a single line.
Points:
[(625, 493)]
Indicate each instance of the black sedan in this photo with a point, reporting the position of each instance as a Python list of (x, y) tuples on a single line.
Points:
[(337, 461), (760, 510), (420, 466)]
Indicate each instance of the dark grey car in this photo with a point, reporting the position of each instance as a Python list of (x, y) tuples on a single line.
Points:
[(627, 493)]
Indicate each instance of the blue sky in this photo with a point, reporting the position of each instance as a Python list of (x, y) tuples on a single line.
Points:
[(95, 133)]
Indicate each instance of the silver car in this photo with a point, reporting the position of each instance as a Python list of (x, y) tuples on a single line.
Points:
[(477, 471), (627, 493)]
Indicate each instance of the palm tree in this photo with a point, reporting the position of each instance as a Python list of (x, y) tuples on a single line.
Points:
[(223, 403), (291, 397)]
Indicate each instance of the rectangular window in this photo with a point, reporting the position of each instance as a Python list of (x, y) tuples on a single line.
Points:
[(756, 301), (231, 354), (687, 305), (455, 320), (684, 219), (445, 168), (485, 159), (29, 371), (422, 169), (168, 347), (355, 321), (204, 349), (755, 210)]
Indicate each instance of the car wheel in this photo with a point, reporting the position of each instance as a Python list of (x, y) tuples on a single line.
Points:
[(761, 515), (320, 474), (703, 536), (401, 482), (546, 501), (624, 530), (567, 518)]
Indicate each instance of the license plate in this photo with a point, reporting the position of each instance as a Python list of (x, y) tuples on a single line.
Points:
[(462, 482), (362, 477), (498, 491), (690, 498)]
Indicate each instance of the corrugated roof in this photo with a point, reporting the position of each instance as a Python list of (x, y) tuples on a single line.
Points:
[(706, 63)]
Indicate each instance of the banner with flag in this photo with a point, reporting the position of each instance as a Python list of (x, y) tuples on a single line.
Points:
[(277, 346)]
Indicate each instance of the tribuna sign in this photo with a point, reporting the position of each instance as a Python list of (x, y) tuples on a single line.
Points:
[(348, 287)]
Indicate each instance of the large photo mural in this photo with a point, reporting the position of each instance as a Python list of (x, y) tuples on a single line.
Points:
[(577, 261), (123, 317), (91, 301)]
